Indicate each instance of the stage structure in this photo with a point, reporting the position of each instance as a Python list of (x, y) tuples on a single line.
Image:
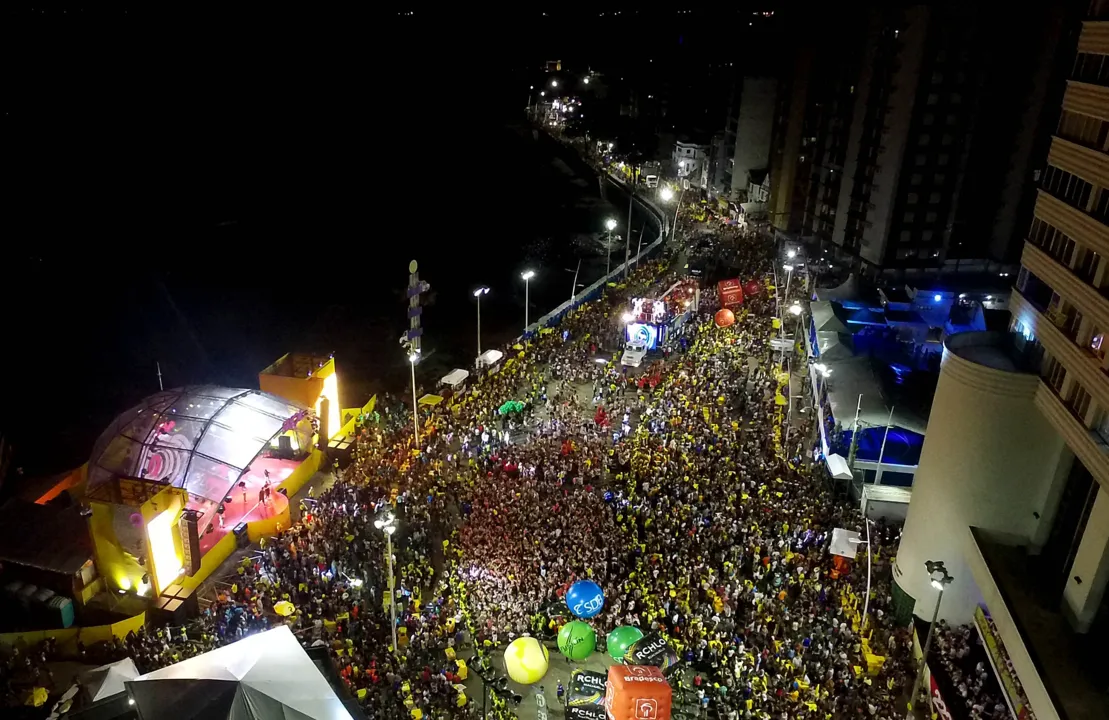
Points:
[(174, 475)]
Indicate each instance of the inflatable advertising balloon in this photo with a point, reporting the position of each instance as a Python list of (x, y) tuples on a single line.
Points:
[(652, 649), (585, 598), (637, 692), (576, 640), (526, 660), (586, 688), (620, 639), (724, 318)]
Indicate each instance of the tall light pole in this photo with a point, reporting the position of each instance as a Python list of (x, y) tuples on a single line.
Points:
[(387, 525), (478, 293), (940, 580), (527, 275), (610, 225), (782, 327), (413, 358), (866, 599)]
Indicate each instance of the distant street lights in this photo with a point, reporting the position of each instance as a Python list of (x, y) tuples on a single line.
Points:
[(478, 293), (527, 275), (554, 83)]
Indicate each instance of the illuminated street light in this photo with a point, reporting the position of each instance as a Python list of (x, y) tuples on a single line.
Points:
[(478, 293), (554, 83), (666, 194), (795, 309), (610, 224), (527, 275), (542, 93), (387, 525), (791, 254), (940, 579), (627, 317), (586, 81)]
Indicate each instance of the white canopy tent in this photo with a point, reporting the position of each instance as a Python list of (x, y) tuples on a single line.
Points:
[(489, 358), (455, 377), (261, 677), (108, 680)]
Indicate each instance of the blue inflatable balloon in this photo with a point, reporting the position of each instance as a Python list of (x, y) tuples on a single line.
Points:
[(585, 598)]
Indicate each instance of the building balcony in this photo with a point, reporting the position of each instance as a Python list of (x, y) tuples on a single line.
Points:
[(1061, 672), (1082, 228), (1072, 288), (1080, 364), (1086, 98), (1094, 37), (1090, 165)]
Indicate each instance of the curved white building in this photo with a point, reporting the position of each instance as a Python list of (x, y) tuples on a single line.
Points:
[(988, 462)]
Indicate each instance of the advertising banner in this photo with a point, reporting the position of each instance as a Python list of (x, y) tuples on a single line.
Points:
[(1014, 693), (939, 707), (585, 712)]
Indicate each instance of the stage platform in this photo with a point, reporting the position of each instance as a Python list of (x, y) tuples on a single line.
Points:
[(245, 504)]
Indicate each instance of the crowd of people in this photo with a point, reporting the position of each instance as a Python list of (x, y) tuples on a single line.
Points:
[(682, 500), (967, 673)]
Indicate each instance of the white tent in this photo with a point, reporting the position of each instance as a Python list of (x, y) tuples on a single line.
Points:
[(455, 377), (489, 358), (845, 542), (260, 677), (107, 680), (838, 467)]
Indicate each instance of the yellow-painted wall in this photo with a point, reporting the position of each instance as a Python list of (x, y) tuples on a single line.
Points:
[(211, 560), (119, 568), (67, 637), (304, 472)]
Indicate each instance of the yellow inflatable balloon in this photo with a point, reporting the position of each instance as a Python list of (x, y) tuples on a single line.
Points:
[(526, 660)]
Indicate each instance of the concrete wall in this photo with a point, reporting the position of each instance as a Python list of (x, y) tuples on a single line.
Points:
[(988, 460)]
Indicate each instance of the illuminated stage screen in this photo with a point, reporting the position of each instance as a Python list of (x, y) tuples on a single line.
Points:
[(646, 333)]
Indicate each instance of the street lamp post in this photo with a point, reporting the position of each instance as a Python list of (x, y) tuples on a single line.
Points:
[(782, 327), (866, 599), (387, 525), (413, 358), (478, 293), (940, 580), (527, 276), (610, 225)]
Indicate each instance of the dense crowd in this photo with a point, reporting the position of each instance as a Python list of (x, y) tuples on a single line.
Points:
[(682, 500), (966, 670)]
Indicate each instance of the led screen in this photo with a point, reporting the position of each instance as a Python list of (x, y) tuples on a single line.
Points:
[(645, 333)]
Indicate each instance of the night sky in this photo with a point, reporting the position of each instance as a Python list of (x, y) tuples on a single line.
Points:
[(211, 190)]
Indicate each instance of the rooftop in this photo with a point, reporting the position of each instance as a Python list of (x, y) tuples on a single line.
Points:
[(46, 537)]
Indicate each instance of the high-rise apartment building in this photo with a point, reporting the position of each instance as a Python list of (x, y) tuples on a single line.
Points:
[(919, 148), (1012, 493)]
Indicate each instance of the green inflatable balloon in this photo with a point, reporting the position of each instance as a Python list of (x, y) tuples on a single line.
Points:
[(619, 640), (577, 640)]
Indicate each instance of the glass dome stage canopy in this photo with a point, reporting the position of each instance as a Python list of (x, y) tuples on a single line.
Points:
[(199, 438)]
